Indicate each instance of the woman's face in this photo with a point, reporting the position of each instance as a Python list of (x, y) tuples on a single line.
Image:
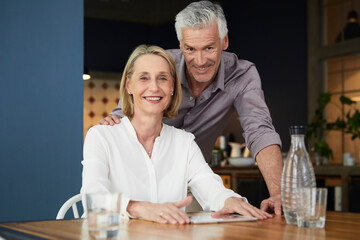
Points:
[(151, 85)]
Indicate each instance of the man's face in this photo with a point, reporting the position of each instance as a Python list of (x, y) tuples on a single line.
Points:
[(202, 50)]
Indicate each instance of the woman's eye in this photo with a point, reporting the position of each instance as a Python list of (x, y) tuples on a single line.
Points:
[(143, 78), (163, 78)]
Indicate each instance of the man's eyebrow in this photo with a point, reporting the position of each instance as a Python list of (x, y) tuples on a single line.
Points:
[(207, 45)]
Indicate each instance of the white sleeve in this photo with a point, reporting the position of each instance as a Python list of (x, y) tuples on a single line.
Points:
[(205, 185), (95, 164), (96, 169)]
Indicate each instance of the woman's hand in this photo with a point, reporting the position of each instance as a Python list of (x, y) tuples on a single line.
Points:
[(160, 212), (238, 205)]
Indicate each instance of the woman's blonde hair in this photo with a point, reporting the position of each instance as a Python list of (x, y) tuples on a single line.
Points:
[(126, 99)]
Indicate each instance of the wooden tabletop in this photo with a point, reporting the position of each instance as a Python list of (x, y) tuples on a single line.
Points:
[(338, 226)]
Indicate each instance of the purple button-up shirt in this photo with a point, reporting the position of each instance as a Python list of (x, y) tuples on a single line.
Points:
[(237, 86)]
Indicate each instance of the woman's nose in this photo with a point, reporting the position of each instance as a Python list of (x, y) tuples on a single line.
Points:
[(153, 85)]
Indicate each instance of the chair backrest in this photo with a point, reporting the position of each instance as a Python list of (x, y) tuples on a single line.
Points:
[(71, 202)]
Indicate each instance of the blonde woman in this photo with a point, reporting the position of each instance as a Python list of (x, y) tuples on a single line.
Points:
[(149, 162)]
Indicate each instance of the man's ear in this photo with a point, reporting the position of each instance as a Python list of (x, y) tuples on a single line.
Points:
[(225, 42)]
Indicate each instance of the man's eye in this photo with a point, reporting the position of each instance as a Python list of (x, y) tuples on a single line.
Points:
[(210, 48), (190, 49)]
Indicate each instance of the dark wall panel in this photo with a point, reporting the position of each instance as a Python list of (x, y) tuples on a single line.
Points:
[(41, 105)]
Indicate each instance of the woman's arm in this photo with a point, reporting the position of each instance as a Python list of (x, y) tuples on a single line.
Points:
[(209, 190), (160, 212)]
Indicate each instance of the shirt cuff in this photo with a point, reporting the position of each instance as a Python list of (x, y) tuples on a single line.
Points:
[(226, 196), (123, 206), (266, 140)]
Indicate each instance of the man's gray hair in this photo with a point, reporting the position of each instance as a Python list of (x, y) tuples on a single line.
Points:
[(201, 14)]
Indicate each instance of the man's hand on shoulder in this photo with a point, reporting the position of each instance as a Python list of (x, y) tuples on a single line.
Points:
[(110, 120)]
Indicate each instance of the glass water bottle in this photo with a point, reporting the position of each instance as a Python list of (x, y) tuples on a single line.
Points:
[(297, 173)]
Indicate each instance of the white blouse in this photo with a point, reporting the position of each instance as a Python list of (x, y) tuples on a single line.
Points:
[(115, 161)]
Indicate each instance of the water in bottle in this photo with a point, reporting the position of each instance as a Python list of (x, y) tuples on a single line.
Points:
[(297, 173)]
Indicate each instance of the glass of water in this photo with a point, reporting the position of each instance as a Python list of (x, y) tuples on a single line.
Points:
[(311, 208), (103, 210)]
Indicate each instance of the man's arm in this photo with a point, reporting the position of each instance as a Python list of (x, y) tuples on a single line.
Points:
[(270, 164)]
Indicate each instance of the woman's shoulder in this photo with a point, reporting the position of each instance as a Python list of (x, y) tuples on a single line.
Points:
[(178, 133), (106, 129)]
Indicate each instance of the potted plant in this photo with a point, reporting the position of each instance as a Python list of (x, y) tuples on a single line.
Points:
[(319, 126)]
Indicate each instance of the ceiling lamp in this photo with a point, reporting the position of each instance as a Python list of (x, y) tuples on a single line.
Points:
[(86, 75)]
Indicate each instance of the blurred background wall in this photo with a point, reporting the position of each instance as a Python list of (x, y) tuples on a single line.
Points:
[(41, 103)]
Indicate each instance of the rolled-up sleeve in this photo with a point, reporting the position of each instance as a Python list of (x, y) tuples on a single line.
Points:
[(254, 114)]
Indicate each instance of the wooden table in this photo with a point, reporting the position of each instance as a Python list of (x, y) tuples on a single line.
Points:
[(338, 226)]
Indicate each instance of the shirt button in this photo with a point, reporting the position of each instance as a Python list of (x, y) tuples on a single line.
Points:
[(191, 98), (188, 113)]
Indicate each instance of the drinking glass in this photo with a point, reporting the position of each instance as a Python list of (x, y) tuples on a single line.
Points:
[(103, 210), (311, 208)]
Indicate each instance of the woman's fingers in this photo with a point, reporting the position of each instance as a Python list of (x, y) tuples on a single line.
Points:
[(253, 211), (179, 215), (183, 203), (236, 205), (168, 212), (174, 215)]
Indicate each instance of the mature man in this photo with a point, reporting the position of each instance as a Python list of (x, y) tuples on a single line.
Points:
[(214, 84)]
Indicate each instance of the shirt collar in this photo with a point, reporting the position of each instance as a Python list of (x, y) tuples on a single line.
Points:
[(131, 128)]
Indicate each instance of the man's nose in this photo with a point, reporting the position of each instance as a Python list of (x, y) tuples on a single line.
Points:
[(200, 58)]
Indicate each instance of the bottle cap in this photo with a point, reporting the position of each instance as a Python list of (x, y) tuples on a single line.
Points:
[(297, 129)]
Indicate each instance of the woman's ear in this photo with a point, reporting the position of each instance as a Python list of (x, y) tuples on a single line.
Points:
[(127, 85)]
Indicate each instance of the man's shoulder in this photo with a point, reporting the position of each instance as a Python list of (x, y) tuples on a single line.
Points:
[(175, 53), (232, 59), (234, 67)]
